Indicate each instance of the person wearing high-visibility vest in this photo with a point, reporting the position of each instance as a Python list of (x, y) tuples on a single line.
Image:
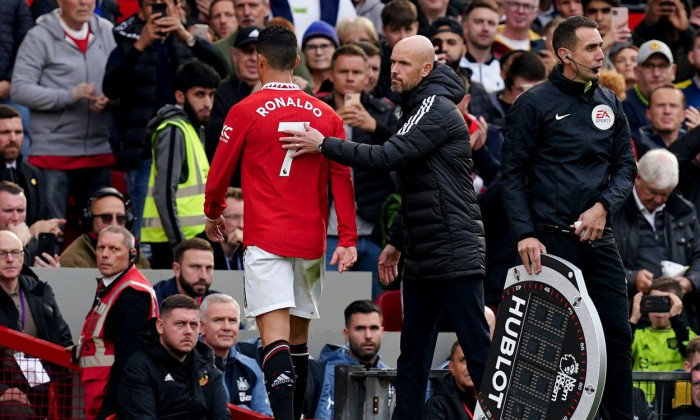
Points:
[(124, 300), (175, 198)]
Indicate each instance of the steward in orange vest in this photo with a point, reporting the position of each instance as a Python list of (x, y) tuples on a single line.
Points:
[(124, 301)]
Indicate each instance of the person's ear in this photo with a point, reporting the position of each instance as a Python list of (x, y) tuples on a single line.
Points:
[(180, 97)]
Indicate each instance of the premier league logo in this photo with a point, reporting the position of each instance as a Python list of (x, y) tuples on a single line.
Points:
[(547, 359)]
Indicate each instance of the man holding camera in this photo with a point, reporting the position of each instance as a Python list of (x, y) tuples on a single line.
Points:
[(656, 224)]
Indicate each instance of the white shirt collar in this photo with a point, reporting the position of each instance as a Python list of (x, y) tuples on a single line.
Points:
[(280, 86), (648, 215)]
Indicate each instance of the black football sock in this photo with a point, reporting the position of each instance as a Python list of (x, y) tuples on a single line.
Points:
[(300, 360), (279, 379)]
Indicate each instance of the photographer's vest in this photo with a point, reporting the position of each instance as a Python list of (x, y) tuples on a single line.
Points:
[(97, 354), (189, 196)]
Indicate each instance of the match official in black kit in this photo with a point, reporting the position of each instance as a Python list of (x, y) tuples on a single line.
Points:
[(568, 158)]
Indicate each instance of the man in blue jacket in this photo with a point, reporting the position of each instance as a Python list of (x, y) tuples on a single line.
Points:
[(363, 337), (243, 378)]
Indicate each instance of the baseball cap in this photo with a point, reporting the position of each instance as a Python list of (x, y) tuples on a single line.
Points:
[(246, 36), (445, 24), (652, 47), (320, 29)]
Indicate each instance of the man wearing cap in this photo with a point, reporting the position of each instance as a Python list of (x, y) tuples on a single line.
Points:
[(479, 23), (655, 68), (319, 44), (254, 13), (237, 86), (448, 39)]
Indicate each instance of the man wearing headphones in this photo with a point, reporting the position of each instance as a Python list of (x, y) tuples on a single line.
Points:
[(124, 300), (107, 207), (567, 167)]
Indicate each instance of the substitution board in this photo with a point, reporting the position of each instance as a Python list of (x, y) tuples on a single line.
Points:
[(547, 359)]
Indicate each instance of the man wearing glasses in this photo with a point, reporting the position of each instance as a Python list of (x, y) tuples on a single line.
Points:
[(655, 68), (26, 304), (319, 44), (107, 207), (515, 33)]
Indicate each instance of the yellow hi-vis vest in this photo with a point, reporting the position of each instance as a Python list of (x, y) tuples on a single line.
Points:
[(190, 194)]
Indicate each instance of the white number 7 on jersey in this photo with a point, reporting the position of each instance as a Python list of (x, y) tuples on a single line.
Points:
[(287, 162)]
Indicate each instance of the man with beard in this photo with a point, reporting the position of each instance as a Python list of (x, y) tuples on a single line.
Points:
[(448, 38), (363, 337), (173, 207), (22, 173), (192, 269)]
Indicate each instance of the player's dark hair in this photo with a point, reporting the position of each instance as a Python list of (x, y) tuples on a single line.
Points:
[(279, 47), (195, 74), (350, 50), (177, 302), (528, 66), (7, 112), (565, 34), (361, 307)]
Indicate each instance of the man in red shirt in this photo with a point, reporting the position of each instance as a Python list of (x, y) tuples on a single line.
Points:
[(286, 214)]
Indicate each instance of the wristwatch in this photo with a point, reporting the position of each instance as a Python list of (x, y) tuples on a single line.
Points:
[(190, 41), (320, 146)]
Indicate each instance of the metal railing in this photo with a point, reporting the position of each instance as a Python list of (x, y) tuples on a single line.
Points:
[(362, 394)]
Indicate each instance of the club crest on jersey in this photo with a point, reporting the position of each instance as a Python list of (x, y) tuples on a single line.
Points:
[(603, 117), (224, 133)]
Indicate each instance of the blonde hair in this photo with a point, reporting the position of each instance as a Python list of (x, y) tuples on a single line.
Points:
[(360, 23), (613, 81)]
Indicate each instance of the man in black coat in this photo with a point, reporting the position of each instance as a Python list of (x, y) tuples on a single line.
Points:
[(172, 375), (567, 158), (16, 170), (438, 227), (26, 305), (368, 120)]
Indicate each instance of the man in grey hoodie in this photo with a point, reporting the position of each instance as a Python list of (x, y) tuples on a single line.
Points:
[(58, 75), (175, 198)]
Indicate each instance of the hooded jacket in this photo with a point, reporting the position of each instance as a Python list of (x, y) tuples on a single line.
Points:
[(47, 68), (155, 385), (446, 402), (438, 227), (330, 357), (566, 147)]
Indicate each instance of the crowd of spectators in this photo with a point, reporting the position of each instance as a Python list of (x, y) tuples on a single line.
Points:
[(91, 100)]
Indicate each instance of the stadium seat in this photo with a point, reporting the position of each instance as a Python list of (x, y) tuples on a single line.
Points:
[(392, 311)]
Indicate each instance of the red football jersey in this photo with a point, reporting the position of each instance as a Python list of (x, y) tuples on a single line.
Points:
[(286, 200)]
